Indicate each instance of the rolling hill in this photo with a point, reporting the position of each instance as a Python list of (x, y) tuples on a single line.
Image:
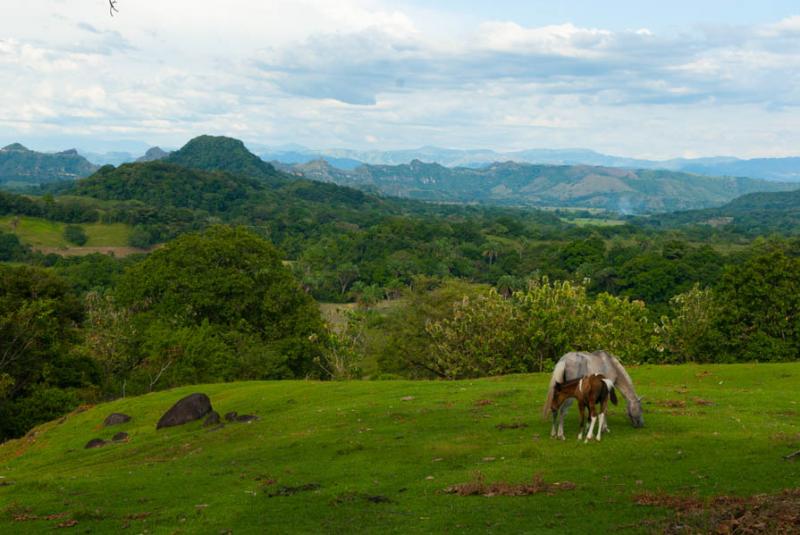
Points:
[(381, 455), (753, 214), (516, 184), (21, 167)]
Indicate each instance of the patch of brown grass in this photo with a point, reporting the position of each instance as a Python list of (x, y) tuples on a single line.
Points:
[(672, 403), (512, 425), (735, 515), (479, 487)]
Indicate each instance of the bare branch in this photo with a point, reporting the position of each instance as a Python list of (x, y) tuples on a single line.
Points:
[(112, 7)]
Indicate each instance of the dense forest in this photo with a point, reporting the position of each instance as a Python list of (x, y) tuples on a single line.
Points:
[(242, 255)]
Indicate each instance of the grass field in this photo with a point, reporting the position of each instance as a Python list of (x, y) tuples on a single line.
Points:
[(41, 233), (376, 457)]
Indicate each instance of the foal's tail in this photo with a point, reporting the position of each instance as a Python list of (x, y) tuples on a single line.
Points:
[(612, 394), (557, 377)]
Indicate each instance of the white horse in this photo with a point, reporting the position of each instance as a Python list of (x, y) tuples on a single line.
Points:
[(578, 364)]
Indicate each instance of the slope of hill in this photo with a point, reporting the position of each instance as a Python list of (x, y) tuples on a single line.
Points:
[(515, 184), (20, 167), (160, 184), (325, 457), (753, 214), (218, 153)]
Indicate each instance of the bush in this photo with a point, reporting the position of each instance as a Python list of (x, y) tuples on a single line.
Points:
[(492, 335), (75, 235)]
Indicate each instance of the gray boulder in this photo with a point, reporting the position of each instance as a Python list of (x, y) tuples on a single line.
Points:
[(191, 408), (212, 419), (116, 418)]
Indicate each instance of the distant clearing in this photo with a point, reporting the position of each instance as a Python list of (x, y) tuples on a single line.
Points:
[(47, 236)]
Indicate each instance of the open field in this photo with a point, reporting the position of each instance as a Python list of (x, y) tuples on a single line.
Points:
[(377, 456), (48, 236), (41, 233)]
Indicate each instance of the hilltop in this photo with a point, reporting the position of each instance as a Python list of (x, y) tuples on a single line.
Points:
[(519, 184), (219, 153), (20, 167), (325, 457)]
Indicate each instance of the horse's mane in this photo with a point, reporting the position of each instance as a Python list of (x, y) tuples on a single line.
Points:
[(622, 375)]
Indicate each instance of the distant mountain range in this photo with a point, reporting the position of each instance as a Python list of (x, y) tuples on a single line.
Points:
[(521, 184), (631, 189), (777, 169), (20, 167)]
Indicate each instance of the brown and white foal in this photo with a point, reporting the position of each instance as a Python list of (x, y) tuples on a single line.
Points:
[(589, 390)]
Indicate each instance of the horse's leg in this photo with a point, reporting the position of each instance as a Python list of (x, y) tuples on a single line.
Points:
[(561, 413), (553, 429), (603, 407), (580, 429), (593, 416)]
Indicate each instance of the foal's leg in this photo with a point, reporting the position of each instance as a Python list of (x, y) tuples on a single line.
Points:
[(593, 415), (603, 407), (581, 429)]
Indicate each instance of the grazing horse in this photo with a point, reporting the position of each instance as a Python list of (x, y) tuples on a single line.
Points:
[(577, 364), (589, 391)]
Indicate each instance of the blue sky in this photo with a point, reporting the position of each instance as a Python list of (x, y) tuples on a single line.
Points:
[(643, 79)]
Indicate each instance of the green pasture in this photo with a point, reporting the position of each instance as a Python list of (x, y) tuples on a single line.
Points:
[(43, 233), (375, 457)]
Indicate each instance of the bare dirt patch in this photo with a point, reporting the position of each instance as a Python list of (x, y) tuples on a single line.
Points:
[(479, 487), (512, 425), (762, 513), (291, 491)]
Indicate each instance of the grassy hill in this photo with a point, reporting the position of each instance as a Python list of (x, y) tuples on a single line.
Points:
[(376, 457), (519, 184)]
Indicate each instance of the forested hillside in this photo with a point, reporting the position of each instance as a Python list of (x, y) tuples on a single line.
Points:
[(749, 215)]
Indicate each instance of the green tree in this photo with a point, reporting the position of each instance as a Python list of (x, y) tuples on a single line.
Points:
[(75, 234), (759, 305), (232, 285)]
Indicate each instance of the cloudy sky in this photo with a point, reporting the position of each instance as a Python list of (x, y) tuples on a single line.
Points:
[(639, 78)]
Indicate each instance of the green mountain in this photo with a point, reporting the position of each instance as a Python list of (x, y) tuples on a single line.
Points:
[(160, 184), (219, 153), (519, 184), (20, 167), (753, 214)]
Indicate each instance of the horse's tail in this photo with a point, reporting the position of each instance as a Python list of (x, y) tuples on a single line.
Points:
[(610, 384), (557, 377)]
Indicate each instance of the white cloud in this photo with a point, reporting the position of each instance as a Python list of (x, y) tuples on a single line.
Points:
[(361, 73)]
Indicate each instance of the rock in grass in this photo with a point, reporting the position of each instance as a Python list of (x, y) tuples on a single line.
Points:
[(121, 437), (116, 418), (231, 416), (247, 418), (191, 408), (212, 419), (95, 443)]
